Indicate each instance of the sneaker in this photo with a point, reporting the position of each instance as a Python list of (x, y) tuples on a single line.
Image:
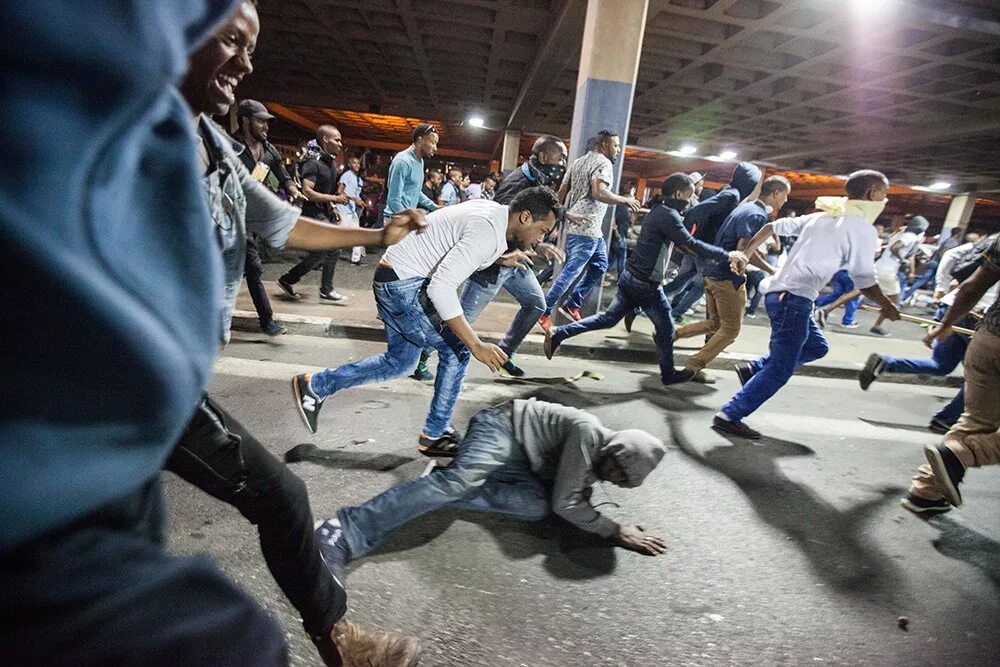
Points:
[(820, 316), (444, 445), (545, 322), (359, 263), (332, 295), (333, 548), (307, 402), (572, 314), (512, 369), (879, 331), (873, 368), (938, 427), (744, 372), (288, 290), (734, 428), (919, 505), (848, 325), (422, 373), (683, 375), (750, 315), (629, 320), (948, 471), (272, 329), (704, 378), (549, 346), (356, 646)]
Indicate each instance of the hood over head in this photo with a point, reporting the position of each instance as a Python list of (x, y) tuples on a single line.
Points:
[(636, 451), (745, 178)]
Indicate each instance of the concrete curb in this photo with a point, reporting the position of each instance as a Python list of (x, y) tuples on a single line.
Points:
[(311, 325)]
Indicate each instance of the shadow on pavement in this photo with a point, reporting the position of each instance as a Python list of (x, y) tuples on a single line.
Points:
[(904, 427), (569, 553), (830, 538), (966, 544), (350, 460)]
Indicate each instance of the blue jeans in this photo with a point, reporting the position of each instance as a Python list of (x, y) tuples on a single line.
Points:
[(930, 271), (950, 413), (632, 293), (616, 260), (795, 340), (946, 355), (687, 288), (491, 473), (842, 284), (754, 279), (584, 254), (523, 286), (408, 330)]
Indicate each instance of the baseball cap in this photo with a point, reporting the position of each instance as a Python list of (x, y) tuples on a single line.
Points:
[(696, 177), (253, 108)]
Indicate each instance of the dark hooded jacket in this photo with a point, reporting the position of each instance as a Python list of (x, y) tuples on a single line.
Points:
[(705, 219), (563, 444)]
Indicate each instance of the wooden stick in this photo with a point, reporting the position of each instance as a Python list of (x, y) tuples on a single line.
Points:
[(919, 320)]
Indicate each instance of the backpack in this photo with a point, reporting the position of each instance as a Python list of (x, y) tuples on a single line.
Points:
[(970, 260)]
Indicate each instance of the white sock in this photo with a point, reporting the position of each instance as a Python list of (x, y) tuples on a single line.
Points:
[(722, 415)]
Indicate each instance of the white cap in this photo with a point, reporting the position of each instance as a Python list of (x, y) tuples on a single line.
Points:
[(696, 177)]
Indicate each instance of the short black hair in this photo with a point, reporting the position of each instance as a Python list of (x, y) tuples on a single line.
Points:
[(675, 182), (860, 182), (545, 143), (605, 134), (539, 201), (432, 172), (422, 130), (773, 184)]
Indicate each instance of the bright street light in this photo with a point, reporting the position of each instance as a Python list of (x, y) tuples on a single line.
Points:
[(939, 185), (688, 149), (476, 121), (728, 155)]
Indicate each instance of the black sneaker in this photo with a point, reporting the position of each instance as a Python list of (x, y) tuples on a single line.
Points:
[(735, 428), (307, 402), (873, 368), (287, 288), (879, 331), (333, 548), (744, 372), (629, 320), (422, 373), (444, 445), (938, 427), (820, 316), (512, 369), (919, 505), (948, 471), (684, 375)]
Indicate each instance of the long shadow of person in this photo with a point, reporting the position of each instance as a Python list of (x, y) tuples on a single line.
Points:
[(830, 538), (966, 544)]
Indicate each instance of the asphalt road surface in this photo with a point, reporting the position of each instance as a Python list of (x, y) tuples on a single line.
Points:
[(792, 550)]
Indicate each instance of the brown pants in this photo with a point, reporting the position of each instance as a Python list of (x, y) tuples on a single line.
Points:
[(726, 304), (974, 438)]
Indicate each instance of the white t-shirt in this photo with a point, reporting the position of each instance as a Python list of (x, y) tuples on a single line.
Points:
[(459, 241), (890, 261), (580, 200), (825, 245), (353, 184)]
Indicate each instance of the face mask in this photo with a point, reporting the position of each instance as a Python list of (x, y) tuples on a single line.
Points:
[(679, 205), (862, 208), (551, 172)]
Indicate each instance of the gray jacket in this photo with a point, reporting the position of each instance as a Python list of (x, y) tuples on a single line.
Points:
[(563, 445)]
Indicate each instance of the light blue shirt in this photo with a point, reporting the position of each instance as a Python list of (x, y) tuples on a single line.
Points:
[(353, 183), (406, 182)]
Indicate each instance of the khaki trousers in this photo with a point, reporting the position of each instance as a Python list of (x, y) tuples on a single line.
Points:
[(974, 438), (726, 304)]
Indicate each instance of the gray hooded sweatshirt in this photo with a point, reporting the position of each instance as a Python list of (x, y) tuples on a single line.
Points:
[(563, 445)]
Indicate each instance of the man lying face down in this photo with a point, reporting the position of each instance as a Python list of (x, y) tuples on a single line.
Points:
[(523, 459)]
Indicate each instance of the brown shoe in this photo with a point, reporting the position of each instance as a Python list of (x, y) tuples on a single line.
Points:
[(548, 347), (361, 647)]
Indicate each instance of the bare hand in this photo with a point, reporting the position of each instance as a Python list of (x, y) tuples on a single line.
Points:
[(890, 312), (738, 262), (401, 224), (518, 259), (490, 355), (633, 203), (294, 192), (635, 538), (550, 252), (341, 199), (574, 218), (936, 334)]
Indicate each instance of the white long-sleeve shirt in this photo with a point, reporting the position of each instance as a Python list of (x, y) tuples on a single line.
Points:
[(825, 245), (459, 241)]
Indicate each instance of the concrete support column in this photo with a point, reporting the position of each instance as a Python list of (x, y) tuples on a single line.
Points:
[(609, 63), (511, 148), (959, 212)]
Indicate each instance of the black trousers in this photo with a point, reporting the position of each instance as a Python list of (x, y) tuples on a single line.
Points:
[(220, 457), (326, 258), (253, 271), (102, 591)]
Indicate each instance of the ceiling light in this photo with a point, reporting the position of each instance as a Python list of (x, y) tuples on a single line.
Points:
[(728, 155), (688, 149), (939, 185), (476, 121)]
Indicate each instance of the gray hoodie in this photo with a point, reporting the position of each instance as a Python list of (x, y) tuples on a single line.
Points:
[(563, 445)]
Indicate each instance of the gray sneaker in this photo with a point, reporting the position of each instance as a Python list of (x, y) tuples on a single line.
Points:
[(873, 368)]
